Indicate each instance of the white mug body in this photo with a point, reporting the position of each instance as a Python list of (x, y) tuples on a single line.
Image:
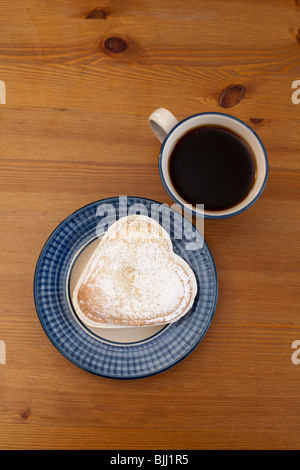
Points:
[(169, 131)]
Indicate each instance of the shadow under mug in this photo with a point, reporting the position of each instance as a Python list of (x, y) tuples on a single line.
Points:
[(169, 130)]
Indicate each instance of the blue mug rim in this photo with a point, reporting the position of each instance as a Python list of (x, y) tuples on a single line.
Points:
[(186, 207)]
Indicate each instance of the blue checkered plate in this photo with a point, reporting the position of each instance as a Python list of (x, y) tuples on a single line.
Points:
[(120, 353)]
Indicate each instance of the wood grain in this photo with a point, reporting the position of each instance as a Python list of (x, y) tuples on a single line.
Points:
[(74, 130)]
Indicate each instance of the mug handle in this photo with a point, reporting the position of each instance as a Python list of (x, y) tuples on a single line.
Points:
[(162, 122)]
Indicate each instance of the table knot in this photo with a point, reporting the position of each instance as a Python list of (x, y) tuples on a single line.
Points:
[(98, 13), (231, 96), (115, 44)]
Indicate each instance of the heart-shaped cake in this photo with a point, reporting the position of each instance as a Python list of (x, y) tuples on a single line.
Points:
[(134, 278)]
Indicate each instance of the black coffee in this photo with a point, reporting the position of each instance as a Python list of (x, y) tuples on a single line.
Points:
[(211, 165)]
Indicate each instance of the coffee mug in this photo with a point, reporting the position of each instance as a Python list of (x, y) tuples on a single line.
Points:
[(171, 132)]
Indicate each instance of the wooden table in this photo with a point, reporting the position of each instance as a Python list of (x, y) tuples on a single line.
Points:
[(81, 78)]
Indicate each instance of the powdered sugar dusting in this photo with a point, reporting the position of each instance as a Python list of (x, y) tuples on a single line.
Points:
[(134, 278)]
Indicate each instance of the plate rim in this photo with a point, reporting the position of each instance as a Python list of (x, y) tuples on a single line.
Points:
[(120, 376)]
